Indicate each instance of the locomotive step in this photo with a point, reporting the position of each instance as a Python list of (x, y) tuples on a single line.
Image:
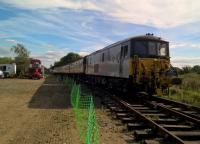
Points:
[(177, 127)]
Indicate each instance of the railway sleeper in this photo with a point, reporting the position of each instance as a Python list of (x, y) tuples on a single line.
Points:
[(149, 111), (141, 108), (121, 115), (165, 121), (190, 112), (177, 127), (119, 110), (153, 141), (136, 126), (192, 142), (177, 108), (187, 135), (129, 119), (136, 105), (156, 115), (143, 134)]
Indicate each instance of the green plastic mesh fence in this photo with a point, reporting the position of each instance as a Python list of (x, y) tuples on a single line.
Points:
[(85, 115)]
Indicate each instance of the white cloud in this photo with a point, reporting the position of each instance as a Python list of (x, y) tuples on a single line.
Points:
[(168, 13), (45, 4), (12, 41), (3, 36), (5, 51), (83, 53), (50, 57), (187, 45), (177, 45), (181, 61)]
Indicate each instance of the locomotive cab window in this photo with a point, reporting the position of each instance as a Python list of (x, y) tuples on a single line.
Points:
[(140, 48), (163, 50), (150, 48)]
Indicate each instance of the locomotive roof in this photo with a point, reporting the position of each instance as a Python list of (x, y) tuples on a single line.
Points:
[(141, 37)]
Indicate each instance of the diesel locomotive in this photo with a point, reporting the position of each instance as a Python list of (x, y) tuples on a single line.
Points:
[(140, 63)]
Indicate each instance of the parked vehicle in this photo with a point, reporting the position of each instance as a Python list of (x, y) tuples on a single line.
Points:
[(35, 69), (9, 70), (1, 74)]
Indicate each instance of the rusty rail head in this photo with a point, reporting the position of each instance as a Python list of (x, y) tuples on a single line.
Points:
[(164, 132), (176, 103), (174, 112)]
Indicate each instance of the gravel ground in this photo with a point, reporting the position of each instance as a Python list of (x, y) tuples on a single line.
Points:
[(39, 112)]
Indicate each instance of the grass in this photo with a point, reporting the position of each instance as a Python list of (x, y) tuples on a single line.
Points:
[(188, 91)]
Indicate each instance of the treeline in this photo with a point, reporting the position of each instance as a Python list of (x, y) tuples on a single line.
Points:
[(188, 69), (69, 58), (6, 60)]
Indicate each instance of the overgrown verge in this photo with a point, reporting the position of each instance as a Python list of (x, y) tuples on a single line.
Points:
[(188, 91)]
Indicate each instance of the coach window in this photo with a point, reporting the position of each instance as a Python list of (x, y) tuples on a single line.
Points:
[(3, 68), (125, 50), (90, 60), (103, 57)]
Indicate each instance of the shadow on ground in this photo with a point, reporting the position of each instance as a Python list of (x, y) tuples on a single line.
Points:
[(51, 95)]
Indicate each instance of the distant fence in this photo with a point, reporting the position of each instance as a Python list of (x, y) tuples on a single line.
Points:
[(85, 116)]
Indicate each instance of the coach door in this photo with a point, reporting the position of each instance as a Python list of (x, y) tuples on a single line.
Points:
[(123, 56)]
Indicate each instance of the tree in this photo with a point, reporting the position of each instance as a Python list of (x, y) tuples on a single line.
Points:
[(186, 69), (5, 60), (70, 57), (21, 51), (196, 69), (22, 59)]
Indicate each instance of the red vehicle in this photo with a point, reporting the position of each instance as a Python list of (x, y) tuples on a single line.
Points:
[(35, 69)]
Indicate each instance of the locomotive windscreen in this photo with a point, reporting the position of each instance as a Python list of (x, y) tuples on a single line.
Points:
[(145, 48)]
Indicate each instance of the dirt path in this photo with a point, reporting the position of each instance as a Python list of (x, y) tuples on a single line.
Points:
[(33, 112), (39, 112)]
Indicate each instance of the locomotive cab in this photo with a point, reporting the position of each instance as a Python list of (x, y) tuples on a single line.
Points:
[(150, 64)]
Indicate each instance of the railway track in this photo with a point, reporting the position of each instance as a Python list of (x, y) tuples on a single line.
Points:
[(186, 109), (157, 121)]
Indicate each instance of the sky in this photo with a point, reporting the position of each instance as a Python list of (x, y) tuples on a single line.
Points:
[(50, 29)]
